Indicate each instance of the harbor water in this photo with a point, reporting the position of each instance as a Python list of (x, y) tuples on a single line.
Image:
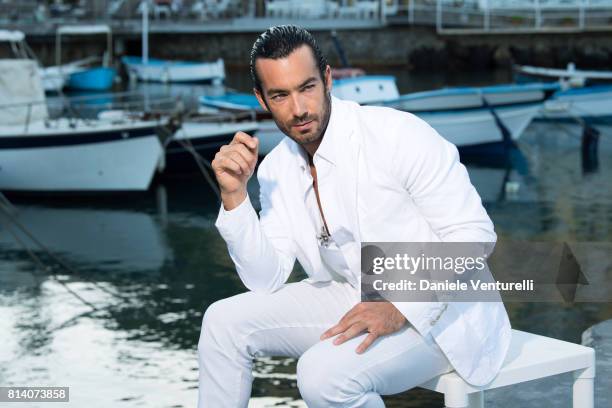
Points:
[(118, 320)]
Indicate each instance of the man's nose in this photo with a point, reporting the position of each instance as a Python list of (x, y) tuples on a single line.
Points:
[(298, 107)]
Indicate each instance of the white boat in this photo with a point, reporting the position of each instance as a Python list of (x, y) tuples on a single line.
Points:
[(40, 154), (593, 103), (569, 73), (158, 70)]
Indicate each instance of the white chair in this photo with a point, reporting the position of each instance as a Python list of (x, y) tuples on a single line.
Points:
[(530, 357)]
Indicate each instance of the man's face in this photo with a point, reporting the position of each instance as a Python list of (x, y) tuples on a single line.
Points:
[(296, 96)]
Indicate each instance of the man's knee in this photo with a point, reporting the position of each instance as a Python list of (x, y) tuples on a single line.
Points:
[(219, 324), (227, 323), (322, 383)]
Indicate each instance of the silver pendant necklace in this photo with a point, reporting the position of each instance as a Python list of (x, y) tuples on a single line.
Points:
[(324, 238)]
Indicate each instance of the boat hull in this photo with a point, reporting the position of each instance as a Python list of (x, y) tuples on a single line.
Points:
[(111, 160), (95, 79), (470, 98), (477, 128), (170, 71)]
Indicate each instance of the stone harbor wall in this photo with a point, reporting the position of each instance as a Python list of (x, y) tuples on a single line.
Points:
[(416, 47)]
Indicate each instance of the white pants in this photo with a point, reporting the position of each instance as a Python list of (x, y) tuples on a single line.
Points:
[(289, 322)]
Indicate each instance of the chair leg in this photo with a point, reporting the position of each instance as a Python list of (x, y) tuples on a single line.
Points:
[(583, 388), (456, 400), (476, 400)]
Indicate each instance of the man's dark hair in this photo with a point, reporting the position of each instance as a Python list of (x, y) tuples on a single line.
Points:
[(280, 41)]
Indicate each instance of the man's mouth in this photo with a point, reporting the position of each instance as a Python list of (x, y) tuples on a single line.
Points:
[(303, 125)]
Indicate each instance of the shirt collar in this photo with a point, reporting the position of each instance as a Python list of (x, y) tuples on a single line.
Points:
[(327, 149)]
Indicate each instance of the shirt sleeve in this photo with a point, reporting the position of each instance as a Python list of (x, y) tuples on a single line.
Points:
[(262, 249)]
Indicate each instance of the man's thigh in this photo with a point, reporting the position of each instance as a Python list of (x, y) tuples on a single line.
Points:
[(393, 363), (283, 323)]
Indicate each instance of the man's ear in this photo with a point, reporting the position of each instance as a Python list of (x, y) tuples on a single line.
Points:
[(328, 78), (261, 100)]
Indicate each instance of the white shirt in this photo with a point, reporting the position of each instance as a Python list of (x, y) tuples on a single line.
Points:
[(383, 176)]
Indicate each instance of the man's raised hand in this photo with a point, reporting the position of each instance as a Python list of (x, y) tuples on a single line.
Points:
[(234, 165)]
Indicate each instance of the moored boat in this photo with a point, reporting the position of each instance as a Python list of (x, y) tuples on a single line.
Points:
[(148, 69), (89, 76), (159, 70), (40, 154)]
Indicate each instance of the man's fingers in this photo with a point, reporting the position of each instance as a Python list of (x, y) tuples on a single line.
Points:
[(248, 141), (249, 157), (227, 164), (351, 332), (367, 342), (245, 168), (332, 331), (345, 322)]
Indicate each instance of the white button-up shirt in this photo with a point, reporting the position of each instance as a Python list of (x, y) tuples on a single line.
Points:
[(383, 176)]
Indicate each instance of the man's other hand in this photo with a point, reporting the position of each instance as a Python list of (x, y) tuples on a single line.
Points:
[(376, 318)]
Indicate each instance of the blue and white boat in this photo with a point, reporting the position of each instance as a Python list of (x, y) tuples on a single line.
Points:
[(89, 78), (474, 119), (160, 70), (478, 119)]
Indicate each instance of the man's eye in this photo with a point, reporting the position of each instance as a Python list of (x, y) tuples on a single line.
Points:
[(278, 97), (310, 86)]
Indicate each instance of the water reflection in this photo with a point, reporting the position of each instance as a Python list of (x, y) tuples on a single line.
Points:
[(84, 229)]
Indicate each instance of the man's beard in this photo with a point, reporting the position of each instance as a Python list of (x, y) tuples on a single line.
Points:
[(321, 122)]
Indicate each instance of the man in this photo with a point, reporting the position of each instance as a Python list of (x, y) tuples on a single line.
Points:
[(344, 174)]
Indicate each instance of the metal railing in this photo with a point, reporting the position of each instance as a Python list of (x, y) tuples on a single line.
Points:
[(448, 16), (522, 16), (37, 12)]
